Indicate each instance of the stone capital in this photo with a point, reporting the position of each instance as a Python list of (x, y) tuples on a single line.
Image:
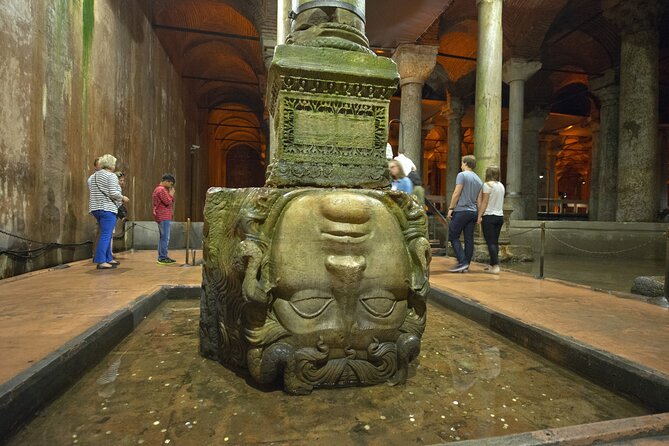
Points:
[(609, 95), (633, 16), (415, 62), (454, 109), (516, 69), (478, 2), (608, 77), (534, 120)]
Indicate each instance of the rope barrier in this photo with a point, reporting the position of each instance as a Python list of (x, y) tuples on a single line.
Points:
[(524, 232), (599, 252), (23, 238)]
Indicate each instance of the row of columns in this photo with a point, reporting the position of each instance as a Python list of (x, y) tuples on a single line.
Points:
[(625, 141)]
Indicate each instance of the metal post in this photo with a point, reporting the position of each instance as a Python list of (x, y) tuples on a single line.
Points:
[(187, 240), (542, 250)]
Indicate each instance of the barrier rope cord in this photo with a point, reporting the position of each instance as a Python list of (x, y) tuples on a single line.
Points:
[(524, 232), (648, 242), (30, 254)]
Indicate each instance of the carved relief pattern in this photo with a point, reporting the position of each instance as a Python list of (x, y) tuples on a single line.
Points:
[(355, 157), (330, 87), (292, 148)]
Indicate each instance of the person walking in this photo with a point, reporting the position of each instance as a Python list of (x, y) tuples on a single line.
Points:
[(491, 215), (163, 204), (105, 193), (463, 213)]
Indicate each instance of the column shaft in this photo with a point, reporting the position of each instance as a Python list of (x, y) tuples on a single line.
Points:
[(488, 115), (607, 181), (532, 125), (454, 112), (515, 72), (411, 143), (639, 115), (593, 202), (415, 63)]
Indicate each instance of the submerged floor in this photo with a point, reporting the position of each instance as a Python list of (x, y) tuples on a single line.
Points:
[(613, 273), (468, 383)]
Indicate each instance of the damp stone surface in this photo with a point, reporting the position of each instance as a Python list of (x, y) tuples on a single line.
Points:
[(467, 383)]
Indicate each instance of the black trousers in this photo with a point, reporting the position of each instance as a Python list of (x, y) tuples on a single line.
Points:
[(492, 226)]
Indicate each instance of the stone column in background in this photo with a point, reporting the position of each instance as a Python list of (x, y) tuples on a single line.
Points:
[(593, 202), (664, 170), (453, 111), (606, 89), (488, 118), (283, 9), (638, 155), (415, 64), (515, 72), (532, 126)]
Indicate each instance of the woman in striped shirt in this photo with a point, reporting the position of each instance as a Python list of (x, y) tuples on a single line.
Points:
[(105, 199)]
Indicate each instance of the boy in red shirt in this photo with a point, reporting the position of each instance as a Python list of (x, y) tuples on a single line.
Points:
[(163, 203)]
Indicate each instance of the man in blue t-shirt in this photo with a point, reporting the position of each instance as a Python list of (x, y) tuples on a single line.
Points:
[(463, 212)]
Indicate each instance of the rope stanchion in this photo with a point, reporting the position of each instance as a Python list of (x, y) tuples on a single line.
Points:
[(542, 250)]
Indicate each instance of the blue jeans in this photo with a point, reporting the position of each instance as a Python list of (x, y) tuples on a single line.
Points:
[(463, 221), (107, 221), (492, 226), (163, 243)]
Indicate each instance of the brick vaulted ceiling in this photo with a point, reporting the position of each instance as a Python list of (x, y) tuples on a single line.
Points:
[(220, 48), (223, 59)]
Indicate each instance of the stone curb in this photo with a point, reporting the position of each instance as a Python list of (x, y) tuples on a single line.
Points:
[(612, 432), (613, 372), (24, 395)]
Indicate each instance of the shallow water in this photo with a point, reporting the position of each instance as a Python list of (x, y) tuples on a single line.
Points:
[(468, 383), (614, 273)]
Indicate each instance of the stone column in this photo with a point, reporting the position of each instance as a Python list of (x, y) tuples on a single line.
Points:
[(515, 72), (606, 89), (453, 112), (593, 202), (532, 126), (664, 156), (415, 63), (283, 21), (488, 118), (639, 112)]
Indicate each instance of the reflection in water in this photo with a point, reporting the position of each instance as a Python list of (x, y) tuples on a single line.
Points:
[(608, 273), (468, 383)]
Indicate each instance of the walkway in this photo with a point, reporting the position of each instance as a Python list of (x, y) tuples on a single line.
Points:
[(41, 311)]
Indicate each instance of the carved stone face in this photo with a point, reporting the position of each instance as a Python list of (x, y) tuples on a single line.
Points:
[(341, 268)]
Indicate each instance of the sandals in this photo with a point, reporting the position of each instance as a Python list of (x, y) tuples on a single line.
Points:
[(107, 265)]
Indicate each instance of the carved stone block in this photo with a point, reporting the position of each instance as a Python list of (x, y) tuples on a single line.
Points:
[(315, 287), (330, 110)]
